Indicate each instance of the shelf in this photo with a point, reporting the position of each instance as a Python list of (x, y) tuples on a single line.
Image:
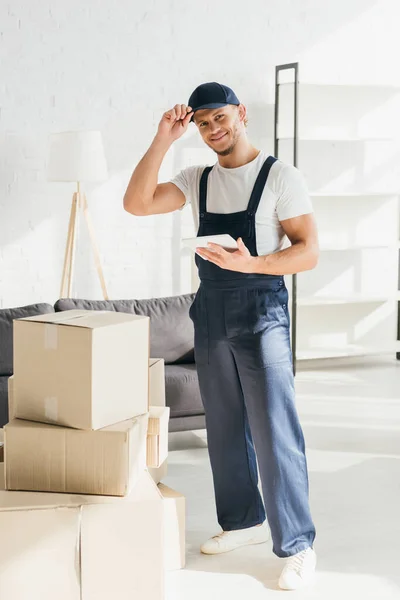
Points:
[(340, 139), (343, 86), (338, 300), (351, 350), (356, 247), (354, 194)]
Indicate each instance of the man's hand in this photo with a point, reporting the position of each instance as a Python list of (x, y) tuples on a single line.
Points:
[(233, 260), (174, 123)]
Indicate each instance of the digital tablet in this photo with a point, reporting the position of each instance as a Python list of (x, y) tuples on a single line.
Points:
[(225, 240)]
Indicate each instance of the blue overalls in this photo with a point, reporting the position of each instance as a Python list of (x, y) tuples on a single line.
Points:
[(244, 363)]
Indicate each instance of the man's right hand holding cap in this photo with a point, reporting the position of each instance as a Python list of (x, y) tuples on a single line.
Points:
[(174, 122)]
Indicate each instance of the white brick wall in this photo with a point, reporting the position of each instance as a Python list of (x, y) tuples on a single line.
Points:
[(94, 65)]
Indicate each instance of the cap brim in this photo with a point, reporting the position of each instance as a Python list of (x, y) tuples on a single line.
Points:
[(209, 106)]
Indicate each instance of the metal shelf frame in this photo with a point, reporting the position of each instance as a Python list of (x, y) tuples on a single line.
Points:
[(278, 70)]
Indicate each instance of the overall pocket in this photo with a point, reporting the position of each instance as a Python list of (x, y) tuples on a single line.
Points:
[(267, 308), (268, 319)]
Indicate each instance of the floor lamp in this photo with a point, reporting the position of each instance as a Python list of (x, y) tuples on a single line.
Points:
[(78, 156)]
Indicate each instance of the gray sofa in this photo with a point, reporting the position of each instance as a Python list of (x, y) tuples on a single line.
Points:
[(171, 338)]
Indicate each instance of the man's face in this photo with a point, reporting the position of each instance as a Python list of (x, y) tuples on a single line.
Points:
[(220, 128)]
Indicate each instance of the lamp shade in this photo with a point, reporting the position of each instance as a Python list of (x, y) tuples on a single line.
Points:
[(77, 156)]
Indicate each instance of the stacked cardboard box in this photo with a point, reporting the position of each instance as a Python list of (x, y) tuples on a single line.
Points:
[(81, 423), (157, 399), (79, 547), (174, 503)]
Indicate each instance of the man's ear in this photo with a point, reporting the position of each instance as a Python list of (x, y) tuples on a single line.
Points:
[(242, 112)]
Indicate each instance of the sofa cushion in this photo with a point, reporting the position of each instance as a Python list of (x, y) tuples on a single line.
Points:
[(7, 315), (171, 330), (182, 390)]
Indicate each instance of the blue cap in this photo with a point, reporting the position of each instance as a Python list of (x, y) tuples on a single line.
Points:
[(212, 95)]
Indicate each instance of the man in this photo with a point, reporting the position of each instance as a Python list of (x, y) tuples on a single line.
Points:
[(241, 321)]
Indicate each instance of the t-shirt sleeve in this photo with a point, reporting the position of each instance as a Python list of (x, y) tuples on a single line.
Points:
[(293, 198), (184, 181)]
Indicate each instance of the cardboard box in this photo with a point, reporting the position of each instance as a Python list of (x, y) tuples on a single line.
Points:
[(157, 435), (49, 458), (11, 403), (74, 547), (81, 369), (175, 524), (156, 382), (160, 473)]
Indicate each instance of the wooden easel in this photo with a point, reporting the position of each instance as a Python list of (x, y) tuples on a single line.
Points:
[(79, 203)]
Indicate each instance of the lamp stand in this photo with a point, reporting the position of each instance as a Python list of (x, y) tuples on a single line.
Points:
[(79, 203)]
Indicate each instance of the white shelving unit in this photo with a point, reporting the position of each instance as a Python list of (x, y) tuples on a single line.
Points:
[(354, 299), (345, 141), (346, 351)]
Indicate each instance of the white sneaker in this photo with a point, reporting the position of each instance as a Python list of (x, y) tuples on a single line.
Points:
[(230, 540), (299, 570)]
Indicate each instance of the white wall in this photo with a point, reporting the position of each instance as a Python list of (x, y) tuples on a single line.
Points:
[(93, 65)]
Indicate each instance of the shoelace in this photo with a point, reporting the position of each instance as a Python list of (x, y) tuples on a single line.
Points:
[(296, 562), (219, 536)]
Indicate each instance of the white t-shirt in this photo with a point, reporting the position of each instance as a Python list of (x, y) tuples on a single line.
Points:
[(285, 196)]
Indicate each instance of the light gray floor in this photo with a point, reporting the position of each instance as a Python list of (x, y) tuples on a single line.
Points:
[(351, 421)]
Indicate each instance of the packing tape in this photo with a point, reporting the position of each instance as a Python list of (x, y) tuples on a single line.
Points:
[(51, 408), (50, 336)]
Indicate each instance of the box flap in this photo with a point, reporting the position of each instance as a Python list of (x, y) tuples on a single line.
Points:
[(126, 425), (158, 420), (168, 492), (57, 317), (90, 319), (153, 361), (123, 426), (158, 412), (159, 473), (22, 424)]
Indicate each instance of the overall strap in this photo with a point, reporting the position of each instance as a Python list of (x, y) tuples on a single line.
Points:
[(259, 185), (203, 191)]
